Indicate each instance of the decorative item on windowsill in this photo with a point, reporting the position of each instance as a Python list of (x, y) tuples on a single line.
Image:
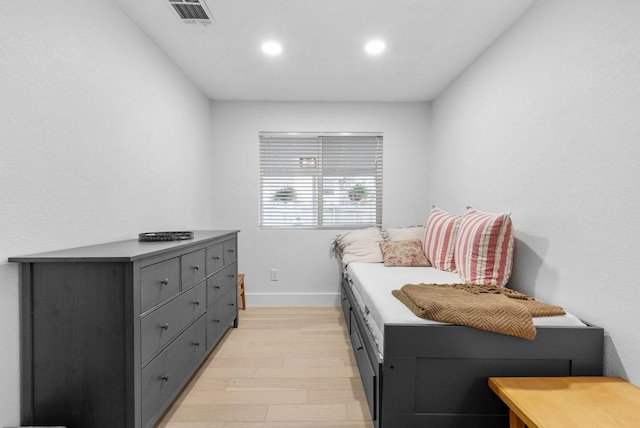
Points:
[(164, 236), (357, 193), (285, 195)]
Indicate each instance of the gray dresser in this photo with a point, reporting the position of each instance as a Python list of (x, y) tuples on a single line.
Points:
[(111, 333)]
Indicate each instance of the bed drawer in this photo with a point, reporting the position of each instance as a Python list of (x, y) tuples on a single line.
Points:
[(158, 283), (193, 268), (170, 369), (367, 373), (346, 308), (221, 283), (219, 318), (162, 325)]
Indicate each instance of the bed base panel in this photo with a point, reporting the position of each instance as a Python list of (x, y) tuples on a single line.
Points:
[(436, 375), (446, 421)]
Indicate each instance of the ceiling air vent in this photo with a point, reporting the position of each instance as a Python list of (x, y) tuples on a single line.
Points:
[(192, 11)]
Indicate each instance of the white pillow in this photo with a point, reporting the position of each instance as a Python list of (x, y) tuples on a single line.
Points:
[(404, 233), (360, 245)]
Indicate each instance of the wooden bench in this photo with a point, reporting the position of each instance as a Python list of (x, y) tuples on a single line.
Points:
[(568, 402)]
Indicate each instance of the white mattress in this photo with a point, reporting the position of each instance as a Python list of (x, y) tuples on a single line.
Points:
[(372, 284)]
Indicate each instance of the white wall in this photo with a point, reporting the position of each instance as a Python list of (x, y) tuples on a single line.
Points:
[(101, 138), (308, 275), (546, 124)]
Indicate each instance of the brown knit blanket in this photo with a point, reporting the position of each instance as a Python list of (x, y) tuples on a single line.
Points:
[(486, 307)]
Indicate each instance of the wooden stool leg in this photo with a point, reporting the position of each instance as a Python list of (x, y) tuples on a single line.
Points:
[(515, 421), (241, 285)]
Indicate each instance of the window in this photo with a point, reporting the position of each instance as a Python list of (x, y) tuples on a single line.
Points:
[(314, 181)]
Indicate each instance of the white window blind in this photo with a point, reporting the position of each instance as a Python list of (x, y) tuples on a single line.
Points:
[(328, 180)]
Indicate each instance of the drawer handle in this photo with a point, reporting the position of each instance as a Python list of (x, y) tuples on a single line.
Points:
[(231, 251), (165, 326), (359, 348), (344, 298), (231, 275), (231, 304), (164, 378), (217, 287), (196, 267), (216, 257), (165, 281), (196, 344), (196, 303), (215, 320)]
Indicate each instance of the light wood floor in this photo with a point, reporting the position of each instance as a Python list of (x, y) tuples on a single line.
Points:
[(282, 368)]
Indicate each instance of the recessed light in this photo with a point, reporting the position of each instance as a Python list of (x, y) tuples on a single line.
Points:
[(272, 48), (375, 47)]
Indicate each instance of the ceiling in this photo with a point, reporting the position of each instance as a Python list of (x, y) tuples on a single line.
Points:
[(429, 42)]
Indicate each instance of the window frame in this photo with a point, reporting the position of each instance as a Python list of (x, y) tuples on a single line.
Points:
[(325, 169)]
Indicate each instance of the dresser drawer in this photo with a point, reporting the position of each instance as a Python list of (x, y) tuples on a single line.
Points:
[(171, 368), (219, 317), (162, 325), (215, 257), (230, 251), (193, 268), (220, 283), (158, 283)]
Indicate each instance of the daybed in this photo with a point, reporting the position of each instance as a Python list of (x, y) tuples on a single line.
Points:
[(426, 374)]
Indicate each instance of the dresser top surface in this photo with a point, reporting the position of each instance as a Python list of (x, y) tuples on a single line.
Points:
[(124, 251)]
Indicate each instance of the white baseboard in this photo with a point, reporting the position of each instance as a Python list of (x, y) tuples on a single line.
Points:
[(293, 299)]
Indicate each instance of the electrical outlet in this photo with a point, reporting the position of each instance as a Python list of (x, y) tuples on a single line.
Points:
[(274, 274)]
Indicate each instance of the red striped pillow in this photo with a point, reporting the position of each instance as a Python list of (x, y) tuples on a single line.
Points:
[(440, 238), (484, 249)]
